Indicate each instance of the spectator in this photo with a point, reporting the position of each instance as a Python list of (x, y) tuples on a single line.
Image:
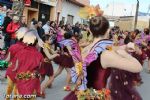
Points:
[(7, 37), (46, 27), (34, 25), (76, 29), (52, 27), (40, 29), (34, 28), (12, 28), (23, 22)]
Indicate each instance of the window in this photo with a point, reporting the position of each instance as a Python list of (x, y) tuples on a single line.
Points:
[(70, 19), (34, 4)]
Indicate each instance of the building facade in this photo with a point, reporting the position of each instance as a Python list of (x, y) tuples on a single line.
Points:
[(127, 23), (67, 10), (42, 10)]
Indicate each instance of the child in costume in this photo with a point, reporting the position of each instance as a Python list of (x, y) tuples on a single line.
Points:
[(46, 67), (65, 60), (12, 51), (28, 62)]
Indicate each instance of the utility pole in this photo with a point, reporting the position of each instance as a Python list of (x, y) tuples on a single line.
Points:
[(149, 15), (136, 14)]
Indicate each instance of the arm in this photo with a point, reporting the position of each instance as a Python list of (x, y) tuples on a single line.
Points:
[(122, 61), (9, 29), (16, 65), (50, 57), (52, 51), (8, 57)]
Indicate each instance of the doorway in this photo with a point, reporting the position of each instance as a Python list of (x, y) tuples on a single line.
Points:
[(32, 14)]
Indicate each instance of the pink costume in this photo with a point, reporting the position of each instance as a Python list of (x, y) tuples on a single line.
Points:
[(94, 75), (59, 36), (67, 60)]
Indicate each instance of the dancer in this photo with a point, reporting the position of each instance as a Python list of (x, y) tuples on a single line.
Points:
[(27, 65), (12, 51), (97, 59), (65, 60), (46, 67), (122, 83), (146, 37), (87, 37)]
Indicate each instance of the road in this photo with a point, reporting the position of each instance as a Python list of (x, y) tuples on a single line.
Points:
[(57, 93)]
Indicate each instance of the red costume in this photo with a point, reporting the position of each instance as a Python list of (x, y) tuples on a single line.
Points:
[(14, 49), (29, 60)]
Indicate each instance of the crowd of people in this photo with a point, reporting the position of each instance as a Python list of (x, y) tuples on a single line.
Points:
[(90, 54)]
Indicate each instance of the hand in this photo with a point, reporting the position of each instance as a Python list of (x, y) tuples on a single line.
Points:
[(79, 81), (66, 54), (40, 43), (130, 47), (69, 48), (56, 55), (46, 60), (144, 44)]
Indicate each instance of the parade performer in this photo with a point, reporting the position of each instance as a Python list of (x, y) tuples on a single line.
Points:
[(67, 58), (46, 67), (146, 35), (122, 83), (87, 37), (97, 59), (12, 51), (27, 65), (143, 41)]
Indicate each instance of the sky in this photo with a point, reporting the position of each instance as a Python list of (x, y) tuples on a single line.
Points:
[(123, 7)]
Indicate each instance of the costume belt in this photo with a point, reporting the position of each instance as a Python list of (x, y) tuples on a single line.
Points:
[(78, 67), (27, 75)]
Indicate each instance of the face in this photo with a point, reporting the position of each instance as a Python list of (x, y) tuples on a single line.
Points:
[(59, 28), (40, 24), (48, 23), (15, 21), (9, 14), (36, 25), (63, 28), (53, 24), (23, 20), (50, 40)]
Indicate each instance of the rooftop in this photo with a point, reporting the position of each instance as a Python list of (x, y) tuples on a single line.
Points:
[(81, 2)]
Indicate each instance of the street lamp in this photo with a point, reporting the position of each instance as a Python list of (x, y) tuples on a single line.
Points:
[(136, 14)]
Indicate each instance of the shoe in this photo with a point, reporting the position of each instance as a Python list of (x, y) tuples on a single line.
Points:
[(50, 86), (42, 94), (148, 71), (67, 88)]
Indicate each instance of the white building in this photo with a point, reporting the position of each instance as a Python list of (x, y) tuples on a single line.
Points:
[(70, 9), (120, 9)]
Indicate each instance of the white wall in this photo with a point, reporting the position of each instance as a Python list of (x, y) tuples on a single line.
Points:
[(120, 9), (70, 9)]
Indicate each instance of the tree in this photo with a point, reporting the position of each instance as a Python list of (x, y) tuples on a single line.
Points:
[(18, 7)]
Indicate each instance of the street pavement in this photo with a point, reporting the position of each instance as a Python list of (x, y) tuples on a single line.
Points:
[(57, 93)]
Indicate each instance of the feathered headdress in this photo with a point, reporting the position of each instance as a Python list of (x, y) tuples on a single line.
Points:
[(21, 32), (90, 11)]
